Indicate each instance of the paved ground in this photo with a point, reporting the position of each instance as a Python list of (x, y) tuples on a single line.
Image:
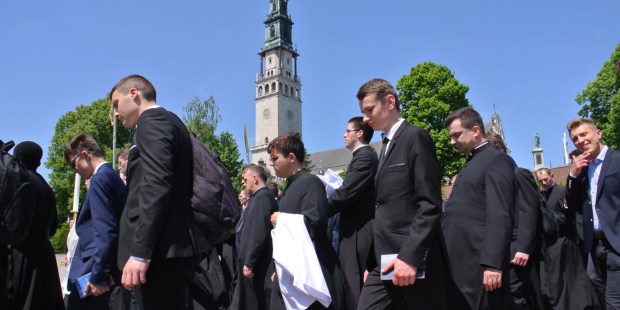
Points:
[(62, 271)]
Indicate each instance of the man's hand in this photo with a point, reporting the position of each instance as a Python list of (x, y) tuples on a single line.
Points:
[(579, 162), (520, 259), (247, 272), (404, 274), (96, 289), (274, 218), (134, 273), (492, 279)]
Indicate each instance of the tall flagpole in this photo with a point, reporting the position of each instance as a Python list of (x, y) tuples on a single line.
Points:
[(247, 148), (566, 158), (113, 120)]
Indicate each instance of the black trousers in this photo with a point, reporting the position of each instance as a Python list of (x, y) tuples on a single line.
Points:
[(423, 294), (604, 272), (166, 288), (525, 285)]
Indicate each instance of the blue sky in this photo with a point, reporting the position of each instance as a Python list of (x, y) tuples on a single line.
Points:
[(529, 58)]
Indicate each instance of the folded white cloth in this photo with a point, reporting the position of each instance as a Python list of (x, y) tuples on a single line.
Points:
[(331, 180), (299, 273)]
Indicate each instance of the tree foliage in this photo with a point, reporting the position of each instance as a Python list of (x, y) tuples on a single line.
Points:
[(94, 120), (600, 100), (202, 119), (428, 94)]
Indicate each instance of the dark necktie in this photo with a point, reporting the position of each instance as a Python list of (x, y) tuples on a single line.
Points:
[(383, 148)]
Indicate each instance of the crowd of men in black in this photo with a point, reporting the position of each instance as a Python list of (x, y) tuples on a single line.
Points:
[(399, 245)]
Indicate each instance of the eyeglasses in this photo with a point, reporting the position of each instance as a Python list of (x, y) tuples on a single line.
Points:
[(349, 130), (73, 162)]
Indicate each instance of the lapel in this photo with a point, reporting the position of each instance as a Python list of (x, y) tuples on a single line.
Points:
[(391, 145), (606, 162)]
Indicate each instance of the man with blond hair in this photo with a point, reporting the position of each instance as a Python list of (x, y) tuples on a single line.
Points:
[(594, 185)]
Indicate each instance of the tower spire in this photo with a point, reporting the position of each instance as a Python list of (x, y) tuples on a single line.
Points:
[(278, 86)]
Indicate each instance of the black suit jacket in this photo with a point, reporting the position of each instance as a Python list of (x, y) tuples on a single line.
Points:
[(355, 200), (157, 221), (527, 226), (607, 200), (408, 204)]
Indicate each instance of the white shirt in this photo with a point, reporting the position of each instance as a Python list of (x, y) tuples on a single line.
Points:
[(392, 131), (594, 171)]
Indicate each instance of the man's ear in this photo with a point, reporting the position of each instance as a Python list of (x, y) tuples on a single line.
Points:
[(291, 156), (476, 130), (390, 100)]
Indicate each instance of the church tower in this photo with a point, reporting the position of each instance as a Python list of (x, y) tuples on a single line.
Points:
[(496, 124), (278, 87)]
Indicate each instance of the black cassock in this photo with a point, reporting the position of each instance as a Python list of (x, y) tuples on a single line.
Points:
[(565, 283), (256, 251), (305, 194), (477, 226), (28, 270)]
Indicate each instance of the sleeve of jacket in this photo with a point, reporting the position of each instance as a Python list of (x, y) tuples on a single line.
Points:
[(158, 145), (499, 212), (528, 212), (314, 207), (361, 172), (105, 226), (425, 176), (574, 190)]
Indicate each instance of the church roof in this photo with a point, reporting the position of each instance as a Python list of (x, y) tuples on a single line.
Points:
[(336, 159)]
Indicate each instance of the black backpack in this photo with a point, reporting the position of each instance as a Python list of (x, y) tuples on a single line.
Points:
[(17, 197), (215, 203)]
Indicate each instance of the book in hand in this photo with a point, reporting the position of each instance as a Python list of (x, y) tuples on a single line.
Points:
[(389, 275), (80, 284)]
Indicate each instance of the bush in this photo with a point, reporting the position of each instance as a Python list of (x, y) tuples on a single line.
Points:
[(59, 240)]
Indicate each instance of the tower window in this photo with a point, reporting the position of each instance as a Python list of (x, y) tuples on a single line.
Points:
[(270, 60), (267, 89), (266, 140), (273, 87), (286, 89), (272, 31), (260, 90)]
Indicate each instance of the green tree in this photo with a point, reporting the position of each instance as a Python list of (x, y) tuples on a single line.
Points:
[(600, 100), (94, 120), (427, 95), (202, 119)]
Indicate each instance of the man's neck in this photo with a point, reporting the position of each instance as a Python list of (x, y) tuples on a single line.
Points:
[(394, 118)]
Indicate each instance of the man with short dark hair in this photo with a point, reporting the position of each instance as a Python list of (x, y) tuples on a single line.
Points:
[(305, 195), (407, 209), (97, 224), (594, 185), (158, 243), (479, 217), (355, 201), (255, 251)]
